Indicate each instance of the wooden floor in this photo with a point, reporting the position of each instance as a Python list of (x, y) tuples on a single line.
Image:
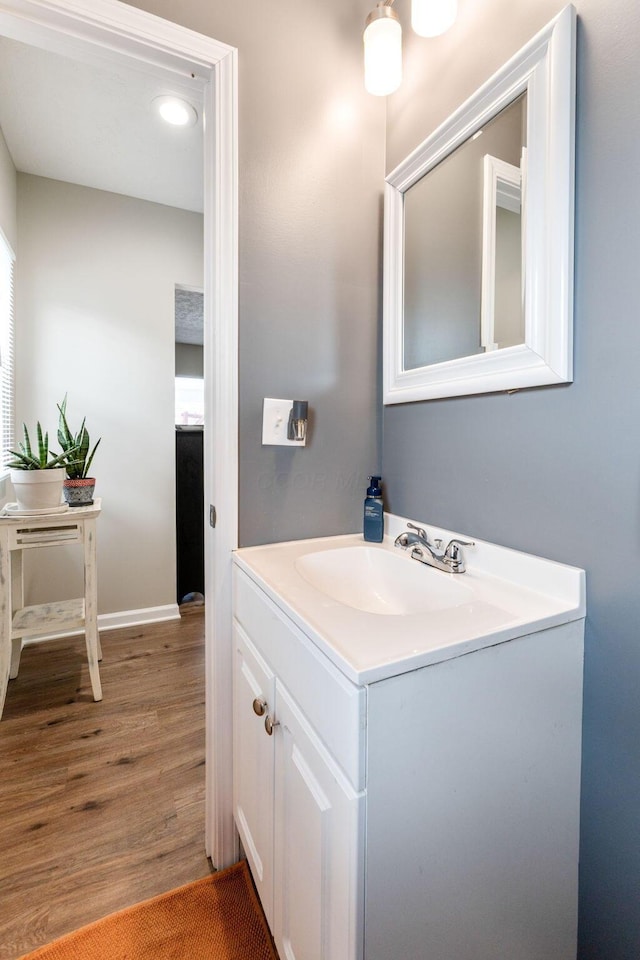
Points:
[(101, 804)]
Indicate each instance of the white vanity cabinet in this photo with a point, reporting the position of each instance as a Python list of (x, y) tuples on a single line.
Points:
[(428, 812)]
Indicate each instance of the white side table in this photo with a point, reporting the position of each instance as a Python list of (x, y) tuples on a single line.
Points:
[(17, 622)]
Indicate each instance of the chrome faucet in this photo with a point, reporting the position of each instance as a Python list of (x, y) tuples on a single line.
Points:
[(450, 560)]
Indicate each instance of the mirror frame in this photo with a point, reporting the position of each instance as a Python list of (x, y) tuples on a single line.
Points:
[(545, 70)]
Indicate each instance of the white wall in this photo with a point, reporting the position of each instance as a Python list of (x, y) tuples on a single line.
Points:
[(95, 318), (8, 188)]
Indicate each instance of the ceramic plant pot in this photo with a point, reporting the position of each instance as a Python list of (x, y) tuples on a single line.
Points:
[(79, 492), (38, 489)]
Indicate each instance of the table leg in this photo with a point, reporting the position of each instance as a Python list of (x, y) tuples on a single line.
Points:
[(94, 652), (17, 603), (5, 615)]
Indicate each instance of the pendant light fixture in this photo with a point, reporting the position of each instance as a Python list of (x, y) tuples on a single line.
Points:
[(382, 50), (383, 39), (430, 18)]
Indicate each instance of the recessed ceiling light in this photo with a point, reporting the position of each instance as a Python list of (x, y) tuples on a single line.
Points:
[(176, 111)]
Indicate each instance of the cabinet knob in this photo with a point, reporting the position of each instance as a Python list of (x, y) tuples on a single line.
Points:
[(260, 706), (269, 724)]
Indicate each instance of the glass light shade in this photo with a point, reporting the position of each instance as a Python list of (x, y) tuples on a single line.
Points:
[(382, 56), (430, 18)]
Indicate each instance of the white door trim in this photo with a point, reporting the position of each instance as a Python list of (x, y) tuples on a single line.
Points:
[(109, 30), (221, 448)]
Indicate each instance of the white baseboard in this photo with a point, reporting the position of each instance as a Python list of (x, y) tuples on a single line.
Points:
[(118, 621), (136, 618)]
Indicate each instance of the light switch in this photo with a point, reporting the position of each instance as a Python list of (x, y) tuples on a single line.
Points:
[(275, 419)]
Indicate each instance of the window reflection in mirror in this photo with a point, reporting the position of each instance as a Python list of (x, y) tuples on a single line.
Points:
[(450, 309)]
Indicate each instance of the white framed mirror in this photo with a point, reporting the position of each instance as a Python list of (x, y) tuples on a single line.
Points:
[(478, 240)]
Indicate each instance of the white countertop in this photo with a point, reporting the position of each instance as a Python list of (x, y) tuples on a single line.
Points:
[(511, 594)]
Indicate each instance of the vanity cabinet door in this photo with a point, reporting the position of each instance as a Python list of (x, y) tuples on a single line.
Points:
[(318, 851), (253, 683)]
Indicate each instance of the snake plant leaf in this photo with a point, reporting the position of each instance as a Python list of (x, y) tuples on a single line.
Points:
[(83, 440), (90, 458), (27, 442), (43, 447), (65, 437)]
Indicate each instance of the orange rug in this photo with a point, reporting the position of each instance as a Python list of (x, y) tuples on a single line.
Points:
[(218, 918)]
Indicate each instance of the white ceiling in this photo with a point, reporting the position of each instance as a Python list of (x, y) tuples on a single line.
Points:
[(93, 124)]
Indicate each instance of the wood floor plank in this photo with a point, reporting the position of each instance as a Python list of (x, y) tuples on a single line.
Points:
[(101, 804)]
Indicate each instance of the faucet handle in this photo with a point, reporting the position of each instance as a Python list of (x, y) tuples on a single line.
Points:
[(453, 548), (419, 530)]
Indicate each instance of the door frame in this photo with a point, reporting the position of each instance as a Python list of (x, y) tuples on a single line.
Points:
[(110, 31)]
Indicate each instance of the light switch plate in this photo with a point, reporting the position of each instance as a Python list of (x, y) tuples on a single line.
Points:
[(275, 420)]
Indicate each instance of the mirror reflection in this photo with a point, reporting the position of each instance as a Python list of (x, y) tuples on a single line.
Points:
[(463, 252)]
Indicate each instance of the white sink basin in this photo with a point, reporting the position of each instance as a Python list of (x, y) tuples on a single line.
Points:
[(376, 613), (378, 581)]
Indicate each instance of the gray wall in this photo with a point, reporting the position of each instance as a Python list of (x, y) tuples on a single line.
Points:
[(556, 471), (311, 172)]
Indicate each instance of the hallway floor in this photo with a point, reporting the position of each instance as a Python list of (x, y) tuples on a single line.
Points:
[(101, 804)]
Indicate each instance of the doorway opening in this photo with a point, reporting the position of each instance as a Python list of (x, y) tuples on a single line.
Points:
[(110, 32)]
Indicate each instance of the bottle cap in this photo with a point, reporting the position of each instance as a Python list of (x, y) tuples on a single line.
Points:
[(374, 489)]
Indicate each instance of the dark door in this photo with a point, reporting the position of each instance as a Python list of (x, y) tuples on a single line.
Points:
[(189, 511)]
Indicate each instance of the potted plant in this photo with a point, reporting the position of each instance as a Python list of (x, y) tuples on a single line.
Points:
[(37, 475), (78, 486)]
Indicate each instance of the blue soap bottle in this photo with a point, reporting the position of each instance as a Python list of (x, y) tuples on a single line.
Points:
[(374, 512)]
